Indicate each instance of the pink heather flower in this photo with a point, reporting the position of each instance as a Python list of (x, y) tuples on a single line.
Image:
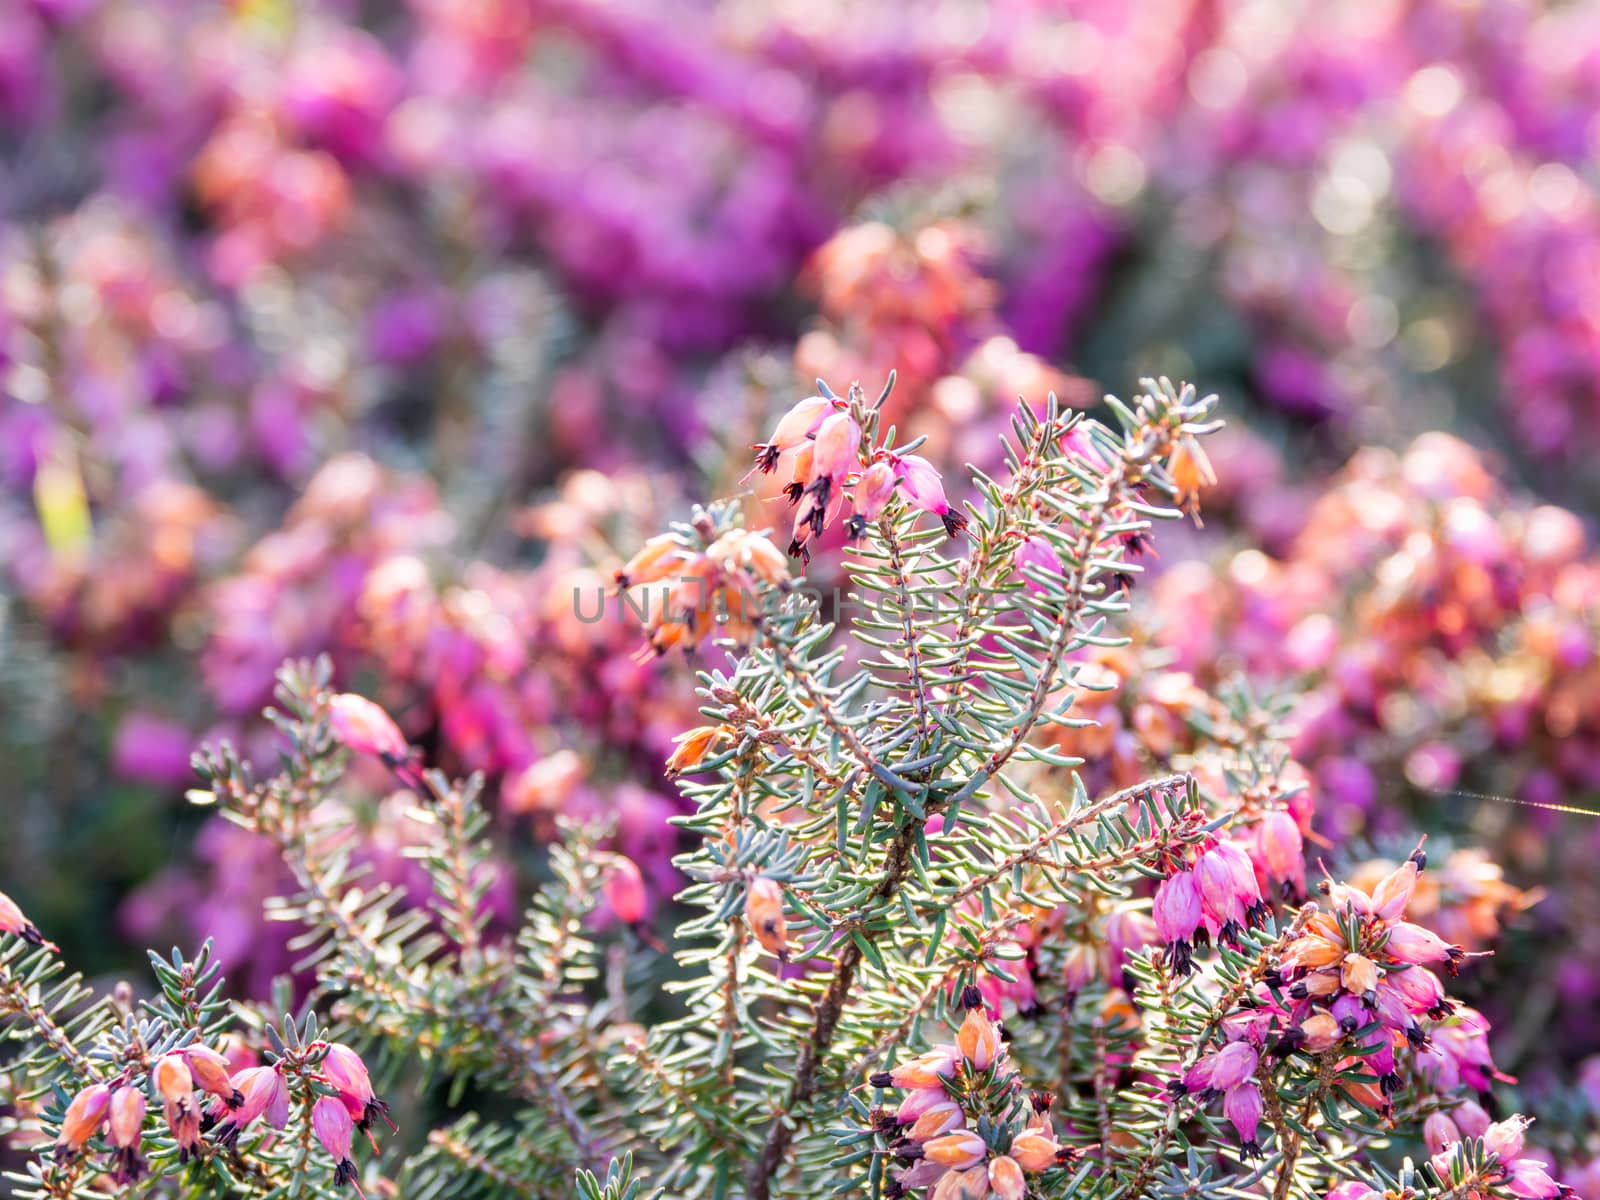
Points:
[(919, 1101), (1282, 851), (265, 1094), (1232, 1065), (624, 890), (1529, 1179), (1221, 903), (330, 1121), (84, 1116), (836, 453), (1352, 1189), (794, 427), (1177, 912), (1243, 1107), (12, 921), (1128, 930), (1470, 1118), (126, 1127), (1393, 892), (872, 494), (175, 1085), (1410, 943), (343, 1068), (1035, 554), (1440, 1132), (365, 728), (1422, 991), (925, 490)]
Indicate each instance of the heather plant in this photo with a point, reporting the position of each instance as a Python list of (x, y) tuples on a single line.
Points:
[(915, 953)]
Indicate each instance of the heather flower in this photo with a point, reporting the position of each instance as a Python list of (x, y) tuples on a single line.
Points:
[(175, 1085), (925, 490), (979, 1037), (125, 1131), (1281, 851), (1242, 1105), (958, 1150), (796, 425), (1035, 1151), (12, 921), (1006, 1179), (211, 1073), (344, 1069), (365, 728), (265, 1095), (763, 909), (1035, 554), (693, 746), (1178, 913), (84, 1118), (330, 1122), (624, 890), (872, 494)]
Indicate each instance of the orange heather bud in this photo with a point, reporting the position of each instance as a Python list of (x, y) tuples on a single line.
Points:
[(366, 729), (658, 558), (971, 1184), (624, 890), (1320, 1031), (1006, 1179), (1358, 974), (943, 1117), (979, 1039), (82, 1120), (126, 1129), (173, 1079), (958, 1150), (1315, 986), (928, 1070), (1034, 1151), (211, 1074), (1393, 893), (12, 921), (1311, 952), (692, 747), (763, 908)]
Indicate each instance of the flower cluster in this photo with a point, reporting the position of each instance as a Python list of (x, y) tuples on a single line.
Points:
[(964, 1128)]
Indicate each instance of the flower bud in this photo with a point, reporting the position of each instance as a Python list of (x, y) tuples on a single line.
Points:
[(1006, 1179), (1283, 851), (1393, 893), (928, 1070), (971, 1184), (624, 890), (979, 1039), (795, 426), (692, 747), (1440, 1133), (958, 1150), (12, 921), (939, 1118), (1320, 1031), (1034, 555), (1358, 974), (172, 1078), (84, 1116), (1470, 1118), (763, 909), (1034, 1151), (211, 1074), (1504, 1139), (657, 559), (873, 491), (365, 728)]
